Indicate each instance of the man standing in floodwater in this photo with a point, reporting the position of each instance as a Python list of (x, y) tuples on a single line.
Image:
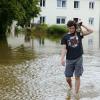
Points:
[(73, 49)]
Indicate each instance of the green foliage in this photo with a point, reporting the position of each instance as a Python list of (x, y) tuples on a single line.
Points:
[(17, 30), (30, 9), (57, 29), (20, 10), (42, 28)]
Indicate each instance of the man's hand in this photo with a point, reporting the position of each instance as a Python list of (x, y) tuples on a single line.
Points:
[(63, 53), (87, 30), (62, 62)]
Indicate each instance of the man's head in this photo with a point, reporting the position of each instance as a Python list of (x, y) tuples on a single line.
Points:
[(71, 26)]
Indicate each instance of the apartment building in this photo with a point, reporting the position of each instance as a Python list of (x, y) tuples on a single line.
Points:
[(60, 11)]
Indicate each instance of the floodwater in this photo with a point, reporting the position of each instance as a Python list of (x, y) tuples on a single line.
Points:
[(31, 70)]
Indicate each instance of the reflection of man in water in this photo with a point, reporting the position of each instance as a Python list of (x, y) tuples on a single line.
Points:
[(73, 49)]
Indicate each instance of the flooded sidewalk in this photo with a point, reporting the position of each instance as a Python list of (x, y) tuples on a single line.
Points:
[(43, 79)]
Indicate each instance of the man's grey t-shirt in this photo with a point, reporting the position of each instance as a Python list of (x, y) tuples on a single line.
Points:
[(73, 45)]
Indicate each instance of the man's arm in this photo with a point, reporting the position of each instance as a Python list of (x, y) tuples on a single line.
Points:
[(63, 53), (87, 30)]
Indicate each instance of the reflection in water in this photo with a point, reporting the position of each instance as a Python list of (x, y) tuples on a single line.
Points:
[(43, 79), (27, 36), (31, 70), (5, 51), (10, 86), (10, 55), (41, 41)]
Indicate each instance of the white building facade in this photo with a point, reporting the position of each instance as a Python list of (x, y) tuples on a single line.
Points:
[(60, 11)]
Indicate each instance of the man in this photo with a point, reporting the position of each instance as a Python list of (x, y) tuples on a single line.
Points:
[(72, 48)]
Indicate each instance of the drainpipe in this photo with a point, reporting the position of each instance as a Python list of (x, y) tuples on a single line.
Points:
[(99, 28)]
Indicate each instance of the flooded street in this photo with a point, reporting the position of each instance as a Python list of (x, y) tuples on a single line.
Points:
[(32, 71)]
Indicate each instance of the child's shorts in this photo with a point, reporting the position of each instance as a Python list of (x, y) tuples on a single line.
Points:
[(74, 67)]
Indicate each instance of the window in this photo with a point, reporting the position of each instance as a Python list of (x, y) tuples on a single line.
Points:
[(61, 3), (90, 42), (63, 20), (60, 20), (91, 5), (42, 3), (42, 19), (91, 20), (76, 4)]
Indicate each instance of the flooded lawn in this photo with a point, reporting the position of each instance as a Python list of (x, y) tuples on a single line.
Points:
[(36, 73)]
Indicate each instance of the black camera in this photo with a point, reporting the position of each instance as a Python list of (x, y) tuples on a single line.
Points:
[(78, 24)]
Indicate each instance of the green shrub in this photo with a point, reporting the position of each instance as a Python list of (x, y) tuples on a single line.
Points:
[(57, 29), (42, 28)]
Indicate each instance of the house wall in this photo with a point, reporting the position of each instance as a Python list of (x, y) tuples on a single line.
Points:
[(51, 11)]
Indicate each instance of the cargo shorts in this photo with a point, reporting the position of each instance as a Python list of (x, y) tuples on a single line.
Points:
[(74, 67)]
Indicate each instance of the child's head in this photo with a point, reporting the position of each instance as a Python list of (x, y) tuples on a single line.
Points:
[(71, 26)]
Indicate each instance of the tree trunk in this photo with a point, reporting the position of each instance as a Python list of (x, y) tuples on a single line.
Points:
[(3, 29)]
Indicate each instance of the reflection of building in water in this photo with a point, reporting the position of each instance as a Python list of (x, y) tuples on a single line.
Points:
[(41, 41), (60, 11), (13, 27)]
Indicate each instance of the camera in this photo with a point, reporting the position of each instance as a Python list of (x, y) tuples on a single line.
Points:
[(78, 25)]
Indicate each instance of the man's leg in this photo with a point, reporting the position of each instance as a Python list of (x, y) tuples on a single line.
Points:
[(78, 73), (77, 84), (69, 81), (69, 90), (77, 87)]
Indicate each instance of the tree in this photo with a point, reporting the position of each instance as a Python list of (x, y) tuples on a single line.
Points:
[(20, 10)]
